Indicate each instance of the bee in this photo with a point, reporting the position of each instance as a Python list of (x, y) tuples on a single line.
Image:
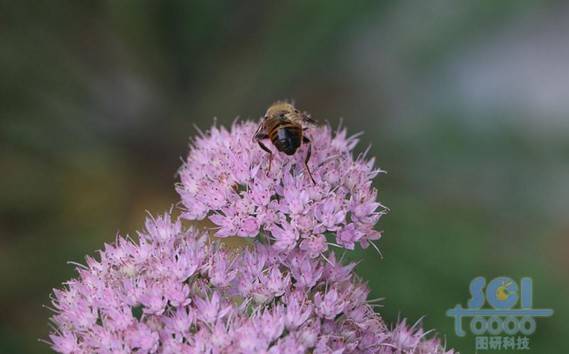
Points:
[(284, 125)]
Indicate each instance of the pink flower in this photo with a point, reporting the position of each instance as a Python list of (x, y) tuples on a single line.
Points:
[(348, 236), (314, 245), (65, 342), (215, 306), (210, 310), (142, 339), (285, 237), (297, 311), (275, 282), (173, 290), (225, 179), (153, 300), (330, 304), (179, 323)]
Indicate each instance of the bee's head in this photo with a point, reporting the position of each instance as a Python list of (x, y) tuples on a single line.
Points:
[(280, 108)]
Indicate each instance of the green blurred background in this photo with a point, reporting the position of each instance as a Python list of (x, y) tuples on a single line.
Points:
[(465, 103)]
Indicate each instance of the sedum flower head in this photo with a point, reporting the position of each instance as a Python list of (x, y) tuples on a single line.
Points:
[(174, 291), (226, 179)]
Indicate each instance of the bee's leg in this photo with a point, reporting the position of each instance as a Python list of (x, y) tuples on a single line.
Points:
[(308, 154), (259, 137), (259, 133)]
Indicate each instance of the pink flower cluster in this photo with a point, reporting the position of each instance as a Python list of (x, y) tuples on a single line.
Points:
[(226, 179), (175, 290)]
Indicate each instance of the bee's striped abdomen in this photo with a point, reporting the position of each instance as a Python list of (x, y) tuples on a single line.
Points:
[(286, 136)]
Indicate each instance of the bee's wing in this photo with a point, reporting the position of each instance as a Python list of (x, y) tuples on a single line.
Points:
[(306, 117)]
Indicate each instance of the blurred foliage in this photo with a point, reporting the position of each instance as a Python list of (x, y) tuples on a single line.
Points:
[(99, 98)]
